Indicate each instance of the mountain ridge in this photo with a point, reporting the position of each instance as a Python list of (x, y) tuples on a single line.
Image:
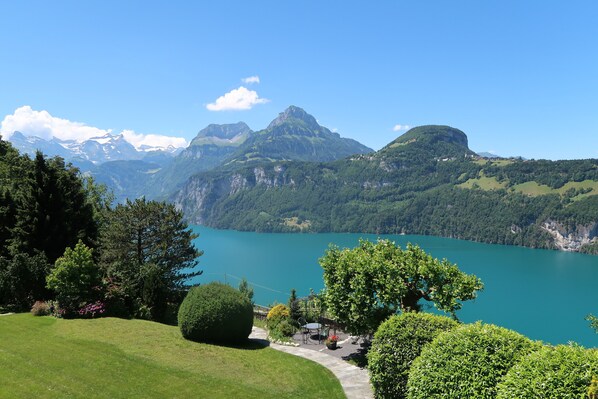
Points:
[(428, 184)]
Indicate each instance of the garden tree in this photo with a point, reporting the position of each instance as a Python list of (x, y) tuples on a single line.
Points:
[(23, 280), (100, 198), (366, 284), (52, 211), (294, 307), (147, 253), (75, 278), (246, 290)]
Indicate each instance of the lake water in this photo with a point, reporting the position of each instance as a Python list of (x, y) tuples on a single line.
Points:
[(539, 293)]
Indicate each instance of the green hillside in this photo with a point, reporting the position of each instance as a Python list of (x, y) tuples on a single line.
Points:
[(425, 182)]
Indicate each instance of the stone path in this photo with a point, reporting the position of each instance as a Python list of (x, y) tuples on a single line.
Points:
[(355, 381)]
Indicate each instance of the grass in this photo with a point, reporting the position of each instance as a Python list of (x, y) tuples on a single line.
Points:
[(534, 189), (44, 357), (484, 183), (494, 162)]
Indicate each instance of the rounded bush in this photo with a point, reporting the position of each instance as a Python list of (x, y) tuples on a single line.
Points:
[(215, 313), (551, 372), (397, 342), (466, 362)]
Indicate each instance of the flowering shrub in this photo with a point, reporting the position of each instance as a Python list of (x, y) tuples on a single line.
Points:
[(331, 339), (91, 309), (40, 308), (279, 311)]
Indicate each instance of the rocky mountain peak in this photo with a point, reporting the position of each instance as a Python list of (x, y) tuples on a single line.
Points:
[(294, 114)]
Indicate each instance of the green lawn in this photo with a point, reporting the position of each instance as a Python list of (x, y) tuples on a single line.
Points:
[(534, 189), (484, 183), (44, 357)]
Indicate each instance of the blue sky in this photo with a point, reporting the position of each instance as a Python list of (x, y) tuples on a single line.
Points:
[(520, 78)]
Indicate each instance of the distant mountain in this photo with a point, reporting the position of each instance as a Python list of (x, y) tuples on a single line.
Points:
[(126, 178), (485, 154), (209, 149), (425, 182), (295, 135), (29, 145), (93, 151)]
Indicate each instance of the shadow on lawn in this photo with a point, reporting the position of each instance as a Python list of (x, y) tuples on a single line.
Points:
[(251, 344), (359, 358)]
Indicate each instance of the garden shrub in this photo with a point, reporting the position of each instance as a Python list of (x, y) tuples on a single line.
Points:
[(564, 371), (397, 342), (40, 308), (279, 323), (278, 312), (466, 362), (593, 388), (215, 313)]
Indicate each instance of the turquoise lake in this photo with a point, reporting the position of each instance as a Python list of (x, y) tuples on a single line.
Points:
[(539, 293)]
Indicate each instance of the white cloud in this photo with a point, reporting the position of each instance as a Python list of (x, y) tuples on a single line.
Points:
[(237, 99), (46, 126), (43, 124), (251, 79), (153, 140), (398, 128)]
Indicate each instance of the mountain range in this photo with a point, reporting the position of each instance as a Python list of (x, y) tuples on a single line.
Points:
[(157, 172), (427, 181), (296, 175)]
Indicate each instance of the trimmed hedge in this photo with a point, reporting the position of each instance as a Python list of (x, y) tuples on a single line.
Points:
[(397, 342), (552, 372), (215, 313), (467, 362)]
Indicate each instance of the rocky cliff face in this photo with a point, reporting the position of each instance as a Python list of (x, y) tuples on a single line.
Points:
[(200, 194), (571, 238)]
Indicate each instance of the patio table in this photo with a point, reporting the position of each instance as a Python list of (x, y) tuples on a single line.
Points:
[(313, 327)]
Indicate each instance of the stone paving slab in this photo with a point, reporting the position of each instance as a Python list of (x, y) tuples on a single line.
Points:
[(355, 381)]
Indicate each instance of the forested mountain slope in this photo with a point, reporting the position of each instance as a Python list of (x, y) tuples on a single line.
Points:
[(426, 182)]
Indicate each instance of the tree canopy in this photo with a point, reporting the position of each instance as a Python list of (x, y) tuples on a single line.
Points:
[(366, 284), (74, 277), (147, 251)]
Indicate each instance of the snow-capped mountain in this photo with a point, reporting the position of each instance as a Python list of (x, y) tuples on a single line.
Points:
[(96, 150)]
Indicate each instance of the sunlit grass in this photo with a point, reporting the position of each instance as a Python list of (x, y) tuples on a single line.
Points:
[(43, 357)]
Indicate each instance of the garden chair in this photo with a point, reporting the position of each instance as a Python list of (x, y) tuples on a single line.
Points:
[(304, 331)]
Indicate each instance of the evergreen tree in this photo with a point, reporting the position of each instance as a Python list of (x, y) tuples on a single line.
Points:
[(294, 307), (148, 253), (52, 212)]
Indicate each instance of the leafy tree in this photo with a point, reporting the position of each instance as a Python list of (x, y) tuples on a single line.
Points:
[(148, 253), (366, 284), (74, 277)]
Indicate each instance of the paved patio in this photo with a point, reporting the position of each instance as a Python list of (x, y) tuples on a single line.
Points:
[(354, 380)]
